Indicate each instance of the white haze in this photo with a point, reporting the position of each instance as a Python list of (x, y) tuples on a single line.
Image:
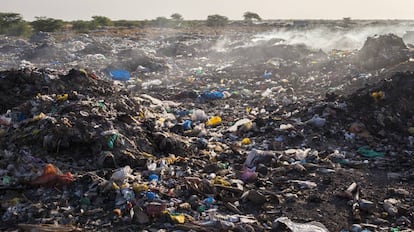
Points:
[(330, 38)]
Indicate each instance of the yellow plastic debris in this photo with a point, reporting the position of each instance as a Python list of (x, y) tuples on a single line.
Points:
[(62, 97), (115, 186), (246, 141), (220, 181), (83, 71), (214, 121), (411, 130), (170, 159), (378, 96), (39, 117), (177, 218), (139, 187)]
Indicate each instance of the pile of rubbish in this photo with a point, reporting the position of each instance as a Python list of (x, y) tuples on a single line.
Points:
[(304, 141), (381, 51)]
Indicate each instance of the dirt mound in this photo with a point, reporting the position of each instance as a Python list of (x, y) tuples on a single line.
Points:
[(382, 51)]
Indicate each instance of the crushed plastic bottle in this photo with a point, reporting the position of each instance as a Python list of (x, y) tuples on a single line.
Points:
[(122, 174)]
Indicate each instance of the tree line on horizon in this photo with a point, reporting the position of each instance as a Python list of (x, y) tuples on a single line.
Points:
[(13, 24)]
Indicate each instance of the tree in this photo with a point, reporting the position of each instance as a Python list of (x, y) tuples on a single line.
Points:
[(216, 20), (13, 24), (177, 16), (9, 18), (161, 22), (249, 16), (47, 24), (101, 21)]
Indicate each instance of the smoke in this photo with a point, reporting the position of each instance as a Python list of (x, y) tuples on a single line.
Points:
[(328, 38)]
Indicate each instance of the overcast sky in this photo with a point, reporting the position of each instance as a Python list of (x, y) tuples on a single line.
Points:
[(200, 9)]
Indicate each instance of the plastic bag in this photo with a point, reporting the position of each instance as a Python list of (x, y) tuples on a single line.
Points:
[(300, 227)]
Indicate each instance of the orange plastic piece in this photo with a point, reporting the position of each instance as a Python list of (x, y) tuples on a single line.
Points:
[(53, 177)]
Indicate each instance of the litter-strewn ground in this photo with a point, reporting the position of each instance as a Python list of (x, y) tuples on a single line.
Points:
[(205, 132)]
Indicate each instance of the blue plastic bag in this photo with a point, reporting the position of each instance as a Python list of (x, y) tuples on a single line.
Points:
[(119, 74), (209, 96)]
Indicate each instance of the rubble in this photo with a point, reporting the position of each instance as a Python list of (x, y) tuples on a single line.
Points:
[(265, 137)]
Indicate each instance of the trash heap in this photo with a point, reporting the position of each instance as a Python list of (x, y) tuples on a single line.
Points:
[(381, 51), (289, 142)]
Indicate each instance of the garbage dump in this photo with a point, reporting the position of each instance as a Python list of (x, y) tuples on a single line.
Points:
[(168, 132)]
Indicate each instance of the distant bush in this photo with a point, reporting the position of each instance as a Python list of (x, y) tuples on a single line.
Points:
[(13, 24), (216, 20), (161, 22), (128, 23), (47, 24), (101, 21), (82, 26)]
